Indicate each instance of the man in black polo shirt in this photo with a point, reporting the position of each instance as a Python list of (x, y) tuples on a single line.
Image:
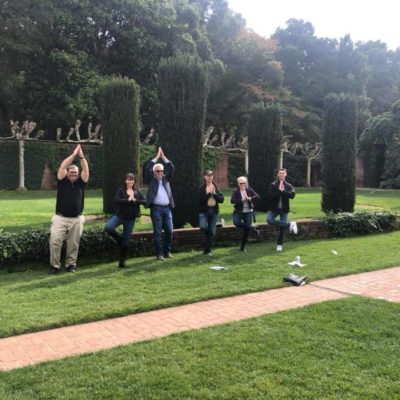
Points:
[(67, 223)]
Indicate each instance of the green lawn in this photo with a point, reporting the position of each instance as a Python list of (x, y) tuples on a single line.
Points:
[(346, 349), (31, 300), (34, 209)]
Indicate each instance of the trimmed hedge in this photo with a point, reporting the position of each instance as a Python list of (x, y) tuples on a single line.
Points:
[(38, 153), (34, 245), (265, 136), (120, 104), (338, 155), (359, 223), (184, 82)]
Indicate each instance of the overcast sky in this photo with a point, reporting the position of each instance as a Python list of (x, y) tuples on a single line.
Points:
[(363, 20)]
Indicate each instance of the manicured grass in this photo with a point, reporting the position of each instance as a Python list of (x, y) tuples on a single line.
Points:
[(32, 300), (347, 349), (33, 209)]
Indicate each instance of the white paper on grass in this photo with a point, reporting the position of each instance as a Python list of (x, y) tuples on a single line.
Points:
[(217, 268), (297, 262)]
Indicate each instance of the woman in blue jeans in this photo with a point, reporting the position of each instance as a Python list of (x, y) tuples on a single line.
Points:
[(209, 199), (128, 200), (243, 214)]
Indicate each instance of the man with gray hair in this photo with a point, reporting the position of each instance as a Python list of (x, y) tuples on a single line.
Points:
[(159, 199), (67, 223)]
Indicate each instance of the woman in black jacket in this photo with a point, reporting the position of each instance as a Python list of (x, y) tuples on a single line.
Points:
[(209, 198), (128, 200), (243, 214)]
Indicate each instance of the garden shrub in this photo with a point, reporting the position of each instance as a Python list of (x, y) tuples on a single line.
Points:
[(265, 136), (120, 99), (184, 83), (339, 151), (359, 223)]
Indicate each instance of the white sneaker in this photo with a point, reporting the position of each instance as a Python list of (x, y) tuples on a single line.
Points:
[(293, 228), (279, 247)]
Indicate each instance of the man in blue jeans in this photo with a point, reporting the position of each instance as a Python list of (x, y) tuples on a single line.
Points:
[(159, 199), (280, 191)]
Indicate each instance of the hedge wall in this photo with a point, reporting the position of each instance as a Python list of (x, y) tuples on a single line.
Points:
[(40, 153)]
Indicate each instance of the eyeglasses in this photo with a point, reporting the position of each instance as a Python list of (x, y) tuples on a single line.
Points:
[(159, 170), (242, 183)]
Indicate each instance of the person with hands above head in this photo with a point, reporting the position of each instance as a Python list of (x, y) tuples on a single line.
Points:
[(67, 223), (279, 194), (243, 215), (160, 201), (128, 200), (209, 198)]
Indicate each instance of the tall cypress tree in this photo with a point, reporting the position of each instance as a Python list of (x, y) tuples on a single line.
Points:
[(120, 104), (265, 135), (339, 153), (184, 82)]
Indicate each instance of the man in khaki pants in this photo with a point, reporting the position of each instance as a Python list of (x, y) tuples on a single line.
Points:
[(67, 223)]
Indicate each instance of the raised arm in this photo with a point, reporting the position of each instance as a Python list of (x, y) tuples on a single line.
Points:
[(62, 170), (84, 165)]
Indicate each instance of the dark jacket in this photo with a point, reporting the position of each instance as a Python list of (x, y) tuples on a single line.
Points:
[(128, 210), (152, 182), (275, 195), (204, 196), (237, 201)]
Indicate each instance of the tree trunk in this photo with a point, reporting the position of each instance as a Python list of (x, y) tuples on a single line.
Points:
[(21, 185), (308, 183)]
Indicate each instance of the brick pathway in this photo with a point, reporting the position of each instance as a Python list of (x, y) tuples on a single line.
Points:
[(32, 348)]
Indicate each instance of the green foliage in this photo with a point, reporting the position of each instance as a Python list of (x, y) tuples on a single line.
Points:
[(120, 99), (210, 158), (38, 155), (380, 149), (359, 223), (265, 135), (236, 167), (33, 245), (338, 157), (184, 82)]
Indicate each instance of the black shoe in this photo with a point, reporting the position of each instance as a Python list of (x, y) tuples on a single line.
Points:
[(295, 279), (121, 264), (71, 268), (168, 255), (53, 271)]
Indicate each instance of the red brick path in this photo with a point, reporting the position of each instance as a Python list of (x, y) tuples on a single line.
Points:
[(32, 348)]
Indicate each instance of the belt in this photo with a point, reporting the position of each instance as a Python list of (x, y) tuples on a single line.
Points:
[(156, 205), (64, 216)]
